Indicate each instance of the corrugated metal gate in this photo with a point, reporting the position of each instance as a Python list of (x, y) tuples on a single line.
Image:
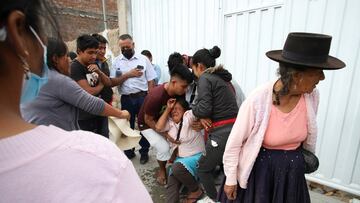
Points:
[(245, 30)]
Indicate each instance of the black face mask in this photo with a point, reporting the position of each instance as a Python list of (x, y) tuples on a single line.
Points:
[(128, 53)]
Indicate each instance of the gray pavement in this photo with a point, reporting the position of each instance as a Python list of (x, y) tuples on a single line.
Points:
[(157, 192)]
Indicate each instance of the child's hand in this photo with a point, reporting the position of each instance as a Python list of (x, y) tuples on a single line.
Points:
[(171, 103)]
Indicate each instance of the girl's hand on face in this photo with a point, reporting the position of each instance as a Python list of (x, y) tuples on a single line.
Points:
[(171, 103)]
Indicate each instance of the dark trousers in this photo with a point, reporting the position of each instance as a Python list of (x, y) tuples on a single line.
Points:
[(180, 175), (133, 105), (98, 125), (207, 164)]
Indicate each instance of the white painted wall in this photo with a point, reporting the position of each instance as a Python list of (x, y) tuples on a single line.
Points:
[(245, 30)]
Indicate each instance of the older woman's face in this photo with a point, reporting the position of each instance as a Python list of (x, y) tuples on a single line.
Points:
[(309, 79), (177, 113)]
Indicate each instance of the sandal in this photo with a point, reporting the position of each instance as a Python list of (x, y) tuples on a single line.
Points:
[(161, 180)]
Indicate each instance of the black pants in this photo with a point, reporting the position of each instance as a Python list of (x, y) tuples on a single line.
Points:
[(207, 164), (97, 124), (180, 175), (133, 105)]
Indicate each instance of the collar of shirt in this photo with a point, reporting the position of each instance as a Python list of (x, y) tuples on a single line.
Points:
[(135, 56)]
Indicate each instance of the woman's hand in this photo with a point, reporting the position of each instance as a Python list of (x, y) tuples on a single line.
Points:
[(169, 138), (196, 125), (230, 191), (171, 103), (206, 123), (125, 114)]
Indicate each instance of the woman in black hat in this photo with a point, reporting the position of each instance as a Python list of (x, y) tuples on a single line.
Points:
[(263, 159)]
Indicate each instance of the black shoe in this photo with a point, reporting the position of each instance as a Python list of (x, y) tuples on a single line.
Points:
[(130, 154), (144, 159)]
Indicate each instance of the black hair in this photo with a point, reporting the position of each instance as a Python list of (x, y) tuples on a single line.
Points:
[(286, 72), (206, 56), (147, 53), (174, 59), (181, 100), (100, 38), (181, 71), (86, 41), (72, 55), (57, 48), (39, 15), (125, 37)]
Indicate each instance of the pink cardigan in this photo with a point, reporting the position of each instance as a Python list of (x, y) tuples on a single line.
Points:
[(246, 137)]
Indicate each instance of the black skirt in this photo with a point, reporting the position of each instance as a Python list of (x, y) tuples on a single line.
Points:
[(277, 177)]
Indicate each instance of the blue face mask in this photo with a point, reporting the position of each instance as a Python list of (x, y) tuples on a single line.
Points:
[(33, 83)]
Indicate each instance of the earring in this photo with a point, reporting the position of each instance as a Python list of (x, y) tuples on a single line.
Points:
[(26, 67), (2, 34), (295, 86)]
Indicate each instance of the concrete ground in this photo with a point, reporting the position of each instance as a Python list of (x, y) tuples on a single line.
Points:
[(157, 192)]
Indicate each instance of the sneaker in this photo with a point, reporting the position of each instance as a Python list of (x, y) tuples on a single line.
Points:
[(144, 159)]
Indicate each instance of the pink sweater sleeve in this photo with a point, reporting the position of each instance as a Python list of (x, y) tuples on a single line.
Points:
[(240, 132)]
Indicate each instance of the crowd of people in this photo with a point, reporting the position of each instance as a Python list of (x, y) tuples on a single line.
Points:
[(55, 104)]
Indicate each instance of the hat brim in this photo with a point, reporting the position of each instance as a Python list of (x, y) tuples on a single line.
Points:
[(121, 133), (332, 63)]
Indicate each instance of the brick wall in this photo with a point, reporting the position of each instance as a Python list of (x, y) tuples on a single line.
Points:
[(78, 17)]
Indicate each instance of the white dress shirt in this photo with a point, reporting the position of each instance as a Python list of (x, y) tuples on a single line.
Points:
[(136, 84)]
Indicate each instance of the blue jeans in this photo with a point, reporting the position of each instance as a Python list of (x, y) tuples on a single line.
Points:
[(133, 105)]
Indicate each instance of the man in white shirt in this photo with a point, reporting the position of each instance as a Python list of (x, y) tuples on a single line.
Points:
[(133, 90)]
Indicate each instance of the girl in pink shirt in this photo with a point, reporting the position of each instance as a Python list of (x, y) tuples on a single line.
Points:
[(263, 161), (187, 144)]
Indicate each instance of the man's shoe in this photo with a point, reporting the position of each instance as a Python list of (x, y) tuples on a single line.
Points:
[(144, 159), (130, 154)]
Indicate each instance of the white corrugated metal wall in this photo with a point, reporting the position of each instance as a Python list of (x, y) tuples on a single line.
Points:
[(245, 30)]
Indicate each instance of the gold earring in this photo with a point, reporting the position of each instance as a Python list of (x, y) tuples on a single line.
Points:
[(26, 67)]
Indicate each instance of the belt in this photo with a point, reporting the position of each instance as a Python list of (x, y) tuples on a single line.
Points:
[(135, 95), (218, 124)]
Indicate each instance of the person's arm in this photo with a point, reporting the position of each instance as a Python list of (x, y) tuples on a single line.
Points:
[(150, 74), (91, 90), (161, 123), (112, 111), (103, 77), (123, 77), (151, 84), (150, 121), (203, 106), (241, 130)]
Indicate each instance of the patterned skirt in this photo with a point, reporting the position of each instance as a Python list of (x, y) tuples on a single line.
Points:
[(277, 177)]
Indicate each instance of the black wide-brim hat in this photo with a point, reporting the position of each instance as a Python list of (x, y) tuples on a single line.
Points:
[(307, 49)]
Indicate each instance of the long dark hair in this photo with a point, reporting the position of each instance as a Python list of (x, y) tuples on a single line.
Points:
[(286, 73), (55, 47)]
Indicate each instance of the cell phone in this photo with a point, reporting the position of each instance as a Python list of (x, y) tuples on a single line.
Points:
[(140, 67)]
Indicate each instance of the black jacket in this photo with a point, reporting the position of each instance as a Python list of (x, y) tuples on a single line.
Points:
[(216, 98)]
